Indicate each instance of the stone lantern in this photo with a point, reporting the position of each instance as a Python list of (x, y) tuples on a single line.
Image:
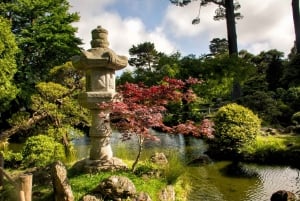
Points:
[(99, 64)]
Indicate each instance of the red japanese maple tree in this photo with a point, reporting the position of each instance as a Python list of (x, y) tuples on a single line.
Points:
[(136, 109)]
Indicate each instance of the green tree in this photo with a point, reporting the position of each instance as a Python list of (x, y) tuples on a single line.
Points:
[(190, 66), (221, 73), (291, 73), (54, 108), (8, 67), (144, 56), (218, 46), (41, 150), (226, 10), (45, 37)]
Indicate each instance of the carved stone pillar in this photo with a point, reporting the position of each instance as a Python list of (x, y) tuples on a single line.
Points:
[(99, 64)]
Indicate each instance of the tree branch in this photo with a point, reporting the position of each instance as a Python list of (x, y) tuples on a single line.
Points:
[(218, 2), (15, 129)]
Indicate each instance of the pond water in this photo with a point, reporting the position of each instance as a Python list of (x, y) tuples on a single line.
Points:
[(211, 182)]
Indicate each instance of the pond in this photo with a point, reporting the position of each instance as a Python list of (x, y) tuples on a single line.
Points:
[(218, 181)]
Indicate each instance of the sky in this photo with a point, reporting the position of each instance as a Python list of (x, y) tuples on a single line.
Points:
[(266, 25)]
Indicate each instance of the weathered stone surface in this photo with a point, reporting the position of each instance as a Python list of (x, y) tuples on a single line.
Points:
[(99, 64), (92, 198), (167, 194), (283, 195), (116, 188), (94, 166), (142, 196), (61, 186), (159, 158)]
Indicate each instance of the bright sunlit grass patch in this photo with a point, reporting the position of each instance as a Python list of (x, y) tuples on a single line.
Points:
[(85, 183), (272, 147)]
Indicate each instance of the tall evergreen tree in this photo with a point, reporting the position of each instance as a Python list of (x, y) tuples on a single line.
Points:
[(8, 67), (45, 36), (226, 10)]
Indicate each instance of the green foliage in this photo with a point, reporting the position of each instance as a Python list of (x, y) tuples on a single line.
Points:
[(143, 55), (173, 170), (292, 98), (296, 118), (218, 46), (264, 105), (12, 159), (19, 118), (263, 146), (46, 38), (267, 149), (220, 74), (41, 150), (235, 126), (8, 68), (291, 73), (144, 168), (85, 183), (51, 91)]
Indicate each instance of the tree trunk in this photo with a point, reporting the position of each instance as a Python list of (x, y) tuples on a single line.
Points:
[(296, 18), (231, 29), (232, 43), (141, 143)]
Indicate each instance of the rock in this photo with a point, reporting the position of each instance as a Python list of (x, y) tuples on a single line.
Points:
[(167, 194), (142, 196), (201, 160), (92, 198), (61, 186), (159, 158), (94, 166), (283, 195), (116, 188)]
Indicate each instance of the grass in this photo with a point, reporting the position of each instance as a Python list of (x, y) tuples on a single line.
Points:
[(271, 148), (82, 184), (85, 183), (274, 143)]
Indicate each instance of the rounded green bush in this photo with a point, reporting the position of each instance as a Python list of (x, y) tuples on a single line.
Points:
[(296, 118), (235, 126), (41, 150)]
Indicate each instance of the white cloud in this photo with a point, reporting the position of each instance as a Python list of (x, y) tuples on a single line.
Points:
[(178, 20), (122, 32), (266, 25)]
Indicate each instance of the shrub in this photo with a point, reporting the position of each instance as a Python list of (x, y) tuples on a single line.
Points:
[(296, 118), (173, 170), (235, 126), (12, 159), (41, 150)]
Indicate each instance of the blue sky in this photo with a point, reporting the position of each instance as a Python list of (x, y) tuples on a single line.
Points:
[(266, 25)]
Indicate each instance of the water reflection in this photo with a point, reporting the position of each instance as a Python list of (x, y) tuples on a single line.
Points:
[(211, 182)]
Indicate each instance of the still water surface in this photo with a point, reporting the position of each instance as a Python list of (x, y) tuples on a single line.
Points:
[(211, 182)]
